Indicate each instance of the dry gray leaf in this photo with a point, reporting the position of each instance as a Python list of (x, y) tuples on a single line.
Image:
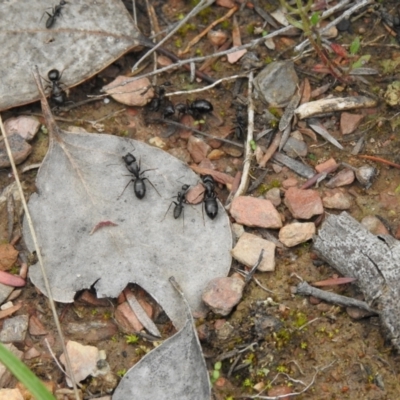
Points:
[(84, 39), (175, 370), (78, 186)]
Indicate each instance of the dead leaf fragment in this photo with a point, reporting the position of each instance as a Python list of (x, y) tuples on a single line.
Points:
[(237, 41), (8, 256), (133, 93)]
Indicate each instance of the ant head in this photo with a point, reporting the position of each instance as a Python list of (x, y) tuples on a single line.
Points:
[(129, 158), (54, 75), (207, 179)]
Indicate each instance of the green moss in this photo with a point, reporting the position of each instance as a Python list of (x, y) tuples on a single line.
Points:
[(301, 319), (178, 43), (225, 24), (184, 29), (250, 29), (131, 339)]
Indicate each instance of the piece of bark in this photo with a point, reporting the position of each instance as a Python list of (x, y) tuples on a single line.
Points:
[(355, 252)]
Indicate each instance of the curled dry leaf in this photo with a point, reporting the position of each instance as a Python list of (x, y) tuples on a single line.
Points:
[(137, 93), (218, 176)]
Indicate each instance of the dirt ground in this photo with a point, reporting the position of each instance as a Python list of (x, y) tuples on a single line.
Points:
[(288, 342)]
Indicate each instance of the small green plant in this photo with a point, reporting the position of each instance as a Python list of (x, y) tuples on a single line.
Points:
[(121, 372), (248, 383), (303, 345), (131, 339), (253, 145), (282, 369), (355, 46), (94, 312), (216, 373), (178, 43)]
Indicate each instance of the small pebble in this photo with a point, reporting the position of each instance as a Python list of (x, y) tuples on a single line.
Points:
[(303, 204), (293, 234), (222, 294), (248, 249)]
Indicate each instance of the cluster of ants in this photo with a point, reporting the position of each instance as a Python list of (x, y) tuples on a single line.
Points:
[(139, 187), (161, 103)]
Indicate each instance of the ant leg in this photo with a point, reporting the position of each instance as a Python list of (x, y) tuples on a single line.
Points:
[(172, 202), (46, 13), (132, 180), (147, 179)]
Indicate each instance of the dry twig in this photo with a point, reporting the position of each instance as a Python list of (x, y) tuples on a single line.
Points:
[(209, 27), (203, 4), (248, 153)]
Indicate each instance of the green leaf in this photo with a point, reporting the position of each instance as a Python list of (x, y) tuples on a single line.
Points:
[(315, 19), (355, 45), (215, 375), (24, 375), (218, 365), (295, 23), (361, 61), (253, 144)]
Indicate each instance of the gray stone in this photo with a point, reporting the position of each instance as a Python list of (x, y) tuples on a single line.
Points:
[(19, 149), (295, 148), (14, 329), (277, 83)]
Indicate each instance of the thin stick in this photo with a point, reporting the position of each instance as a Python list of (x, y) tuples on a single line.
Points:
[(271, 150), (197, 9), (254, 267), (168, 121), (381, 160), (248, 153), (180, 63), (304, 288), (341, 17), (209, 27), (198, 90)]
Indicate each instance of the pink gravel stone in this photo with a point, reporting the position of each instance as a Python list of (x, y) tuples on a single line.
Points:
[(350, 122), (222, 294), (250, 211), (303, 204), (198, 149), (325, 165)]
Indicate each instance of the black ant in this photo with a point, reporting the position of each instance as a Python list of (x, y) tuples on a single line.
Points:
[(241, 123), (56, 13), (180, 199), (57, 94), (210, 197), (161, 102), (138, 183), (197, 108)]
